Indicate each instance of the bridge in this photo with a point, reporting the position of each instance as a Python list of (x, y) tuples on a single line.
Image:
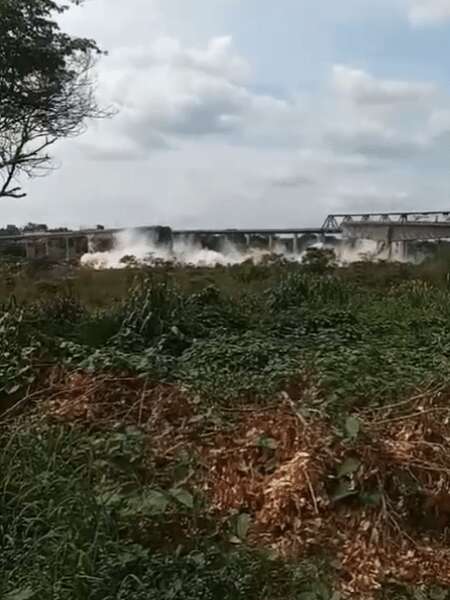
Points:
[(47, 235), (382, 227), (392, 227), (74, 243)]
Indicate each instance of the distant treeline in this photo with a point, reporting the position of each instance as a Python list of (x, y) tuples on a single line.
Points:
[(33, 228)]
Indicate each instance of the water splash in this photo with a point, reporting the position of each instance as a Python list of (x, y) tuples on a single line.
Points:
[(132, 247)]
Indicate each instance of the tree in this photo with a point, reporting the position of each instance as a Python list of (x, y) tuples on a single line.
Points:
[(46, 87), (319, 261)]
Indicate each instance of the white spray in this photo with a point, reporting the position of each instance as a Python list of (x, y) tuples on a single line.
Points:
[(132, 246)]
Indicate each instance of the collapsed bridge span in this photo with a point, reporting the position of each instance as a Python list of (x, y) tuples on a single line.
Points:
[(397, 228)]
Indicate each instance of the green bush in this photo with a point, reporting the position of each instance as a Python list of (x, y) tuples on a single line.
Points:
[(61, 536), (231, 366)]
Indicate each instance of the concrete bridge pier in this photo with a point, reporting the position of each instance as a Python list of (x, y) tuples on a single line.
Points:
[(295, 244), (403, 249), (90, 243)]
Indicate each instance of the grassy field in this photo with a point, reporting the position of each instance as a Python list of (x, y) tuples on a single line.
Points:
[(274, 431)]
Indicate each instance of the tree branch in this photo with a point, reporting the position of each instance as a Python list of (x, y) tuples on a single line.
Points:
[(46, 88)]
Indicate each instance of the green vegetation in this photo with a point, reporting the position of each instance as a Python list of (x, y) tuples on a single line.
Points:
[(96, 509), (63, 535), (359, 344)]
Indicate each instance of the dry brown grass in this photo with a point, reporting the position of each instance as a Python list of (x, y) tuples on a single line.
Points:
[(282, 470)]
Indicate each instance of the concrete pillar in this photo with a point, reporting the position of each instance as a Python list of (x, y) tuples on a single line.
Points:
[(271, 242), (404, 250), (47, 247), (28, 249), (67, 241), (389, 241), (247, 240), (295, 244), (91, 243)]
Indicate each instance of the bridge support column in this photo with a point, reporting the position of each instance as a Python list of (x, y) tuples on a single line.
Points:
[(403, 250), (295, 243), (91, 243), (389, 242), (47, 247), (28, 250), (67, 242), (271, 242)]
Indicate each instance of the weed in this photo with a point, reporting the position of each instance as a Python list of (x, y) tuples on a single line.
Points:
[(85, 513)]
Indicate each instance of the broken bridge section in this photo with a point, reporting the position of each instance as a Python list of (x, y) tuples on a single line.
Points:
[(393, 227), (407, 232)]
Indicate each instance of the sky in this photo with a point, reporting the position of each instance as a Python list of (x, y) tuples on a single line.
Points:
[(236, 113)]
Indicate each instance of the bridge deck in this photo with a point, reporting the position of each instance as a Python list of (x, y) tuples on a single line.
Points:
[(396, 232), (45, 235), (379, 226)]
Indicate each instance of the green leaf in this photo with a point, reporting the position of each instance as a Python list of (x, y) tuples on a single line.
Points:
[(183, 497), (419, 594), (242, 525), (438, 593), (352, 427), (267, 442), (12, 390), (371, 499), (23, 594), (156, 500), (349, 466), (110, 499), (121, 463), (233, 539), (318, 591), (343, 490)]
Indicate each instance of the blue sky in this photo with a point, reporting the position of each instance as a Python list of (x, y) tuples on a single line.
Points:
[(254, 112)]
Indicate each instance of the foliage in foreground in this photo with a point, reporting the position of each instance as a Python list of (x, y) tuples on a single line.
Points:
[(61, 536), (64, 531), (356, 345)]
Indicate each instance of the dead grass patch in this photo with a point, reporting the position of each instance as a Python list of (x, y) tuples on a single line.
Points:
[(392, 525)]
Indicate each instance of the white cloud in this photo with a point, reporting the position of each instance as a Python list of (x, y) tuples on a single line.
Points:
[(429, 12), (167, 91), (218, 59), (377, 197), (290, 179), (439, 122), (375, 141), (365, 89), (202, 139), (381, 119), (195, 145)]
